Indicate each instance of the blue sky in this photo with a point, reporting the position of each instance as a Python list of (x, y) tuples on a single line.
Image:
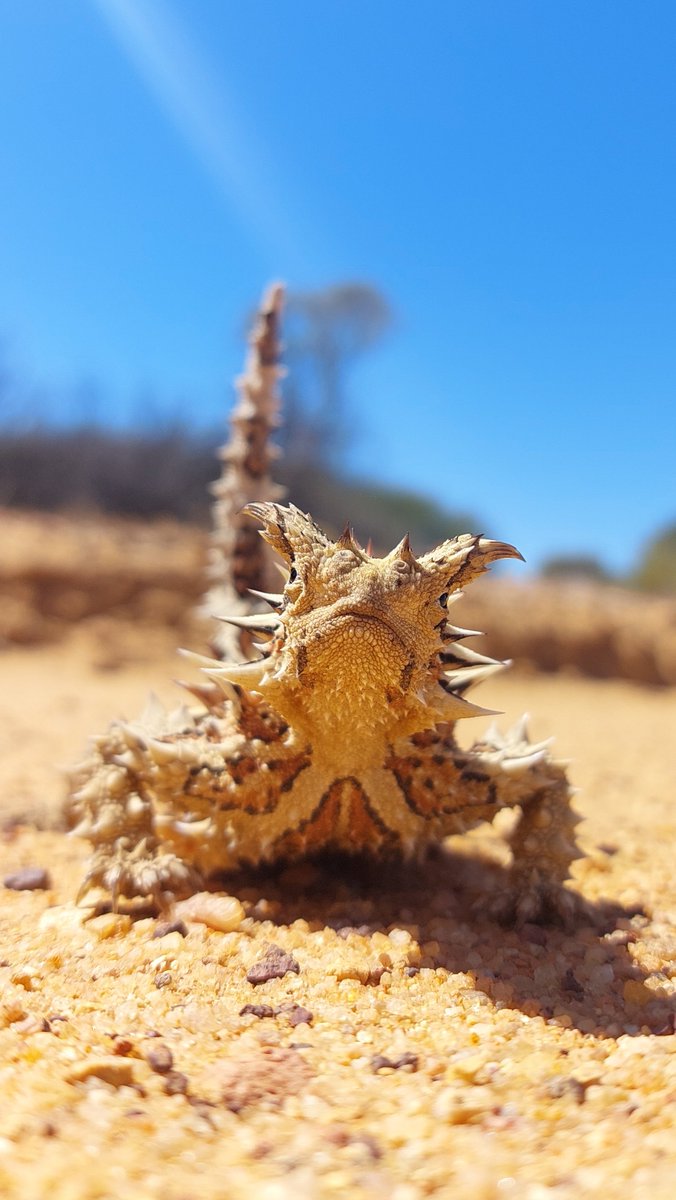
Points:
[(504, 172)]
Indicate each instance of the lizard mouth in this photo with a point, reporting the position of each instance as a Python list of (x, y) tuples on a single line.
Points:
[(359, 622)]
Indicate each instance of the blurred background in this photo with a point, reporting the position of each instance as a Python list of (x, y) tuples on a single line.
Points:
[(472, 206)]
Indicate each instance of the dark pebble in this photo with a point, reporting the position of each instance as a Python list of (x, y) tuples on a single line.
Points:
[(175, 1083), (296, 1014), (165, 927), (379, 1062), (300, 1016), (257, 1010), (122, 1046), (163, 979), (275, 964), (28, 879), (160, 1059)]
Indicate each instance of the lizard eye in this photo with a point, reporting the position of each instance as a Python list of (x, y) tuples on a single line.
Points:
[(443, 599), (293, 575)]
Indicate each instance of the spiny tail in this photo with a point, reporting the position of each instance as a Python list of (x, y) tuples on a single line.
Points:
[(239, 560)]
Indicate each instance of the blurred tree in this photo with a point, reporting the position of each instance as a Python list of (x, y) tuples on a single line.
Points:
[(95, 469), (575, 566), (656, 571), (325, 331)]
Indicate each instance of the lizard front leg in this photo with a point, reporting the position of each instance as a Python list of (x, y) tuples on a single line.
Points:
[(446, 790), (114, 809), (201, 794), (543, 841)]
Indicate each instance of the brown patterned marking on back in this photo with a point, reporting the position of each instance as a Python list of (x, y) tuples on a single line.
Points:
[(259, 787), (342, 819), (258, 720), (432, 786)]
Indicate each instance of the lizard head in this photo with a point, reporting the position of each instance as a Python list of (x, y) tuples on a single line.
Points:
[(364, 636)]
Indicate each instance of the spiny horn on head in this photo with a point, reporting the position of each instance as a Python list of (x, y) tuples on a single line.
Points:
[(288, 530), (347, 541), (404, 551), (492, 550), (461, 559)]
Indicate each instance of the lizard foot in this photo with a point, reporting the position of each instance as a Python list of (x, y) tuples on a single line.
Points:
[(536, 902), (139, 872)]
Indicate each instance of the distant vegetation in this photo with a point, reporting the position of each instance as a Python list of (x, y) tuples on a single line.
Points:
[(378, 513), (656, 571), (91, 469), (165, 470), (575, 566)]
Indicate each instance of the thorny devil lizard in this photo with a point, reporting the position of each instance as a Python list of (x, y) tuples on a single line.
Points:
[(337, 733)]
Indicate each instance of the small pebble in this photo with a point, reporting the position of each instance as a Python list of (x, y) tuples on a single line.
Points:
[(33, 1024), (224, 913), (380, 1062), (636, 992), (268, 1074), (163, 979), (108, 925), (275, 964), (296, 1014), (176, 1083), (257, 1010), (164, 927), (28, 879), (160, 1059), (119, 1072), (122, 1046), (566, 1086)]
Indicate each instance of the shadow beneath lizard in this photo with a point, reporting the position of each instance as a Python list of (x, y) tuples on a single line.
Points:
[(585, 976)]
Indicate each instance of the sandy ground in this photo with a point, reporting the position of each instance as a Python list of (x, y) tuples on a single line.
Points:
[(411, 1047)]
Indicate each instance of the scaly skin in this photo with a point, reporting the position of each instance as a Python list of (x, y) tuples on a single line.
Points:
[(238, 559), (340, 736)]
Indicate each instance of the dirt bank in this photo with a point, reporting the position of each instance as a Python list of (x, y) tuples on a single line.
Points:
[(57, 571)]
